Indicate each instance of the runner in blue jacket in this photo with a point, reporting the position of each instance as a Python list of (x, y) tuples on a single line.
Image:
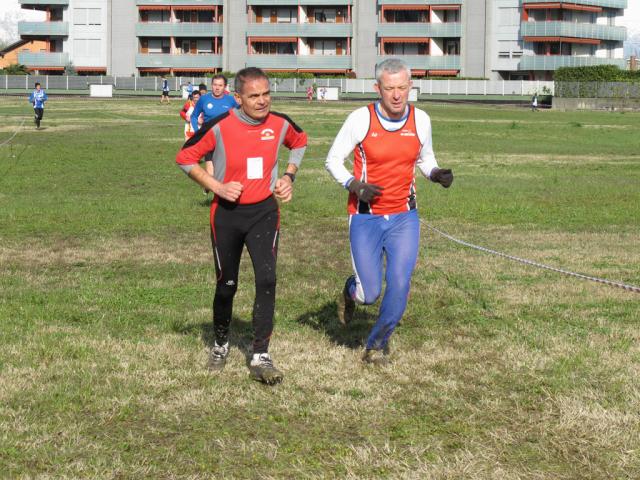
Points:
[(37, 99)]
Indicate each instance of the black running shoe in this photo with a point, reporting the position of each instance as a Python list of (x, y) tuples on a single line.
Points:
[(218, 357), (262, 369), (346, 304)]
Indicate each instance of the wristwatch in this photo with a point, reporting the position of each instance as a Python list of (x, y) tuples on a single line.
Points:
[(292, 176)]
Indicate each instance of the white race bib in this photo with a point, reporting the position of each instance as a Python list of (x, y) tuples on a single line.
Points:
[(254, 168)]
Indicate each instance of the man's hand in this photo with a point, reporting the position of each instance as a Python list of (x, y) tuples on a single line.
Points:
[(443, 176), (201, 119), (229, 191), (284, 189), (365, 191)]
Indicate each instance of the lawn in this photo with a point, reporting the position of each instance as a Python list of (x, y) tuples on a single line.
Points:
[(499, 370)]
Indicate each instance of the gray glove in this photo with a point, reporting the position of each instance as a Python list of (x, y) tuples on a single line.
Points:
[(365, 191), (443, 176)]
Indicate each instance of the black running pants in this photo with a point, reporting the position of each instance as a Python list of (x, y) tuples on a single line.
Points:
[(233, 227)]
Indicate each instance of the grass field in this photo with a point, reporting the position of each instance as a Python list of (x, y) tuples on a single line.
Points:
[(500, 370)]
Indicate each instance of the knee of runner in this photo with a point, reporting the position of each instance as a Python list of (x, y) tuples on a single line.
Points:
[(226, 290), (266, 282), (366, 298)]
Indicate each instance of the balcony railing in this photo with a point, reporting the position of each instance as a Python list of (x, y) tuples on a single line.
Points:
[(428, 62), (171, 29), (43, 29), (43, 59), (419, 30), (575, 30), (165, 60), (27, 3), (179, 2), (553, 62), (420, 2), (299, 29), (305, 62), (591, 3)]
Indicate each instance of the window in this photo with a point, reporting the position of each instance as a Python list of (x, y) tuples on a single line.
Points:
[(159, 45), (451, 16), (205, 46), (87, 16), (325, 15)]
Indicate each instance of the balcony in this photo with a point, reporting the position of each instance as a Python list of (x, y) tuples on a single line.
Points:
[(171, 29), (43, 59), (43, 29), (421, 2), (46, 3), (591, 3), (553, 62), (277, 3), (300, 62), (165, 60), (428, 62), (299, 29), (419, 30), (178, 3), (573, 30)]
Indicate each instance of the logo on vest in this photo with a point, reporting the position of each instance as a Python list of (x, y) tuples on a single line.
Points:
[(209, 106), (407, 133), (374, 134), (267, 134)]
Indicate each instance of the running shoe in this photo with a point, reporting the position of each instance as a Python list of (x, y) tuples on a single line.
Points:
[(218, 357), (376, 357), (346, 304), (262, 369)]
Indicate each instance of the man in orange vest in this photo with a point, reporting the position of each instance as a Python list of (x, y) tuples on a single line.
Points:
[(388, 138)]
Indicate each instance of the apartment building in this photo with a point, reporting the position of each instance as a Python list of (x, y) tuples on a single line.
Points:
[(473, 38)]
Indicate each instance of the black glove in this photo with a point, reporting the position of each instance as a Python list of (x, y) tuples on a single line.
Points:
[(443, 176), (365, 191)]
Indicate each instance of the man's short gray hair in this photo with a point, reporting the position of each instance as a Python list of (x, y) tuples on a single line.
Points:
[(391, 65)]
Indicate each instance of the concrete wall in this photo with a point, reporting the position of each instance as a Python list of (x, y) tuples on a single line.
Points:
[(596, 104), (122, 33), (87, 45), (234, 45), (474, 43), (364, 50)]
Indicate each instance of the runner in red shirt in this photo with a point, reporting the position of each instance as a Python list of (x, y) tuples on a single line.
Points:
[(186, 112), (244, 211)]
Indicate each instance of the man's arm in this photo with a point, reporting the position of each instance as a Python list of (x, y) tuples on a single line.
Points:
[(350, 135), (187, 158), (197, 110), (295, 140), (183, 112), (426, 160)]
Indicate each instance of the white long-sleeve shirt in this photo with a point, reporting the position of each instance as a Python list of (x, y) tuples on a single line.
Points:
[(355, 129)]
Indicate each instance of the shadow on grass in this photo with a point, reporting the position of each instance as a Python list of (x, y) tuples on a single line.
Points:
[(354, 335)]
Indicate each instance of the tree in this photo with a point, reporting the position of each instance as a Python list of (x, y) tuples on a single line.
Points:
[(15, 69)]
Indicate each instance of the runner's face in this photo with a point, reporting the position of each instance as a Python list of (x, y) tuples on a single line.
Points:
[(255, 98), (195, 96), (394, 91), (217, 87)]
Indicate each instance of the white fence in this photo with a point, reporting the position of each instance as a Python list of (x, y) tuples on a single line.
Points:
[(281, 85)]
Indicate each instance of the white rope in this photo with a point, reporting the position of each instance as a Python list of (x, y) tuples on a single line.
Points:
[(14, 134), (630, 288)]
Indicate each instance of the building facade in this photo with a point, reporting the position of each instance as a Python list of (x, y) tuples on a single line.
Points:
[(495, 39)]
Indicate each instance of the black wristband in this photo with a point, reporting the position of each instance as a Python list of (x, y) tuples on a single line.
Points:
[(292, 176)]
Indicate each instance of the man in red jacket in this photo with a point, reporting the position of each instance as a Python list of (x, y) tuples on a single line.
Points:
[(244, 211), (185, 113)]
